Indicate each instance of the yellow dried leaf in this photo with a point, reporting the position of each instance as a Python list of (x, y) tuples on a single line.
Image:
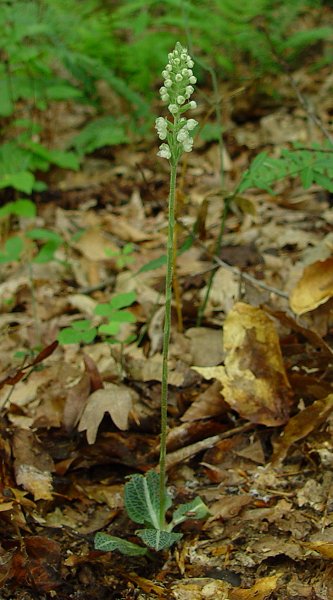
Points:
[(315, 287), (254, 379)]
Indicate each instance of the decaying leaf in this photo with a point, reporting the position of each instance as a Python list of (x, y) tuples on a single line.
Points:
[(113, 399), (254, 379), (33, 465), (39, 483), (301, 425), (314, 288), (261, 590)]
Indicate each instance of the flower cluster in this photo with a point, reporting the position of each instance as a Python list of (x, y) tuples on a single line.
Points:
[(176, 92)]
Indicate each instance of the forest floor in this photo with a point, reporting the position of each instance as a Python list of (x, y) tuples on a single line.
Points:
[(79, 418)]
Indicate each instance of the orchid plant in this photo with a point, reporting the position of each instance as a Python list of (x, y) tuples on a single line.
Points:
[(147, 499)]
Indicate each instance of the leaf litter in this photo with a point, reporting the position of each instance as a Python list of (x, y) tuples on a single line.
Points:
[(250, 404)]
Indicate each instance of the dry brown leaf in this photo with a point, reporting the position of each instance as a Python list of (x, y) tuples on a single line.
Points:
[(260, 590), (254, 379), (124, 230), (75, 402), (324, 548), (113, 399), (200, 588), (39, 483), (33, 465), (208, 404), (94, 244), (206, 346), (301, 425), (315, 287)]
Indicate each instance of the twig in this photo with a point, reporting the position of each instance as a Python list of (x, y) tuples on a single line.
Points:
[(179, 456), (236, 270)]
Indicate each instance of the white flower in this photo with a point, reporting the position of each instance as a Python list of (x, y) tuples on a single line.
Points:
[(189, 90), (190, 63), (192, 79), (165, 97), (164, 151), (180, 100), (178, 77), (192, 104), (168, 83), (188, 144), (173, 108), (191, 124), (161, 125), (182, 135)]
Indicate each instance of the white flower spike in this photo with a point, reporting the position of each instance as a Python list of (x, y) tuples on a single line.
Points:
[(176, 92)]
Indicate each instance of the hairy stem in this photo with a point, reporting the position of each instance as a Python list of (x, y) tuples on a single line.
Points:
[(166, 338)]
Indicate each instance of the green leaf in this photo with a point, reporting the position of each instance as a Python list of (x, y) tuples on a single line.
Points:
[(80, 331), (157, 539), (65, 160), (109, 328), (46, 253), (123, 316), (24, 208), (142, 499), (196, 509), (23, 181), (13, 249), (156, 263), (122, 300), (63, 92), (108, 543), (106, 131), (39, 233)]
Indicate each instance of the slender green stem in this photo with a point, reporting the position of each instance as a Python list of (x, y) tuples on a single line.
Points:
[(166, 339)]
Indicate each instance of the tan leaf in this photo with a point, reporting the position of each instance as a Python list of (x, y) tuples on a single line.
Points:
[(324, 548), (301, 425), (261, 590), (33, 465), (315, 287), (39, 483), (113, 399), (254, 380), (94, 244)]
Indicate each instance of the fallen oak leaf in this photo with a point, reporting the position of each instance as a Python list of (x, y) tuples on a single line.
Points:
[(254, 379), (117, 400)]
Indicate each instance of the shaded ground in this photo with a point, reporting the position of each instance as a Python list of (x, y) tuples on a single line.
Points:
[(263, 465)]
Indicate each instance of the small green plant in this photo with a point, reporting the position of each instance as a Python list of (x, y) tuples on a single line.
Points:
[(83, 331), (14, 246), (147, 500)]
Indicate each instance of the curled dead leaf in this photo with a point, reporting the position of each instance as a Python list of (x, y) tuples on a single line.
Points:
[(314, 288), (301, 425)]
